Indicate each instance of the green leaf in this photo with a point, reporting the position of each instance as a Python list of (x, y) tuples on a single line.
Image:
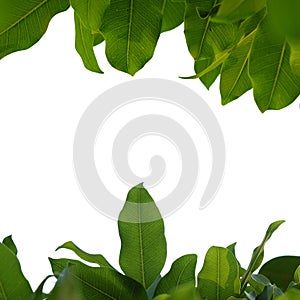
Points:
[(39, 294), (258, 254), (219, 276), (297, 274), (173, 14), (92, 258), (152, 288), (9, 243), (23, 23), (295, 55), (291, 294), (236, 10), (181, 272), (99, 283), (204, 38), (90, 12), (13, 284), (163, 297), (235, 80), (209, 78), (84, 43), (274, 84), (131, 29), (261, 279), (141, 228), (280, 270)]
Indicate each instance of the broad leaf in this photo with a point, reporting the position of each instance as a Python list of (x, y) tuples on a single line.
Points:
[(275, 85), (204, 38), (131, 29), (90, 12), (13, 284), (99, 283), (84, 43), (280, 270), (219, 276), (258, 254), (236, 10), (23, 23), (235, 80), (92, 258), (173, 14), (181, 272), (141, 228), (9, 243)]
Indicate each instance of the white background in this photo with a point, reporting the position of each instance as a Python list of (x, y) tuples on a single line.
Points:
[(45, 90)]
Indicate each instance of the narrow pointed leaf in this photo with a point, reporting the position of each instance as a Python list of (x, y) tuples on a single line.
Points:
[(181, 272), (90, 12), (100, 283), (275, 85), (219, 276), (297, 275), (92, 258), (235, 80), (131, 29), (258, 254), (84, 43), (141, 228), (280, 270), (23, 23), (13, 284), (39, 294), (9, 243), (173, 14)]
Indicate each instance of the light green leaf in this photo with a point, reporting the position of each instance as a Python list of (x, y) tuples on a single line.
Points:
[(291, 294), (181, 272), (236, 10), (163, 297), (99, 283), (235, 80), (84, 43), (258, 254), (204, 38), (13, 284), (9, 243), (219, 276), (23, 23), (297, 274), (280, 270), (131, 29), (173, 14), (295, 55), (274, 84), (90, 12), (141, 228), (92, 258), (209, 78)]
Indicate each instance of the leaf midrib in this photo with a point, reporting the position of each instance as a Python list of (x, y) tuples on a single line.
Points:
[(25, 16), (2, 292), (129, 33), (141, 239)]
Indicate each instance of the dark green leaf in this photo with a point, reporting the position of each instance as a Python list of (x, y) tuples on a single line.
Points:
[(23, 23), (13, 284), (84, 43), (99, 283), (92, 258), (274, 84), (90, 12), (143, 252), (219, 277), (173, 14), (181, 272), (280, 270), (131, 29), (39, 294), (9, 243)]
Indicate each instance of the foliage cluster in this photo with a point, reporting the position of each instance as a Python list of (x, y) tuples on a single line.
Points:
[(142, 258), (251, 44)]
